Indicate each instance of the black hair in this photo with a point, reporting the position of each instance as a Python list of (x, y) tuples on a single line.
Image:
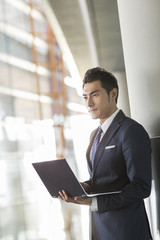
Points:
[(107, 79)]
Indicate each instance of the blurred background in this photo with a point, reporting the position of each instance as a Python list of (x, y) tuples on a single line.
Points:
[(46, 46)]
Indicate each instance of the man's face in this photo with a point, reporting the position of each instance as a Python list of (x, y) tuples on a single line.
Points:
[(100, 105)]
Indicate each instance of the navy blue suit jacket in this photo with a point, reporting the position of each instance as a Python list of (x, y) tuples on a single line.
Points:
[(122, 162)]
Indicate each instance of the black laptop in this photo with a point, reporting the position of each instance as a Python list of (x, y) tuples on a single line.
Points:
[(57, 175)]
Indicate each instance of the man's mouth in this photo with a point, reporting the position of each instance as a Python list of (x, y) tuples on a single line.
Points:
[(92, 110)]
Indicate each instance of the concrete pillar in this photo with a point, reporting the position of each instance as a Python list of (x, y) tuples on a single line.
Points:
[(139, 22), (123, 100)]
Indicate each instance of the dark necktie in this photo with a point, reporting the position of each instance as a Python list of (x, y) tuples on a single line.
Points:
[(95, 145)]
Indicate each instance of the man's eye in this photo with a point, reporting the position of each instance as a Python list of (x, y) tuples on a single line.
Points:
[(95, 95)]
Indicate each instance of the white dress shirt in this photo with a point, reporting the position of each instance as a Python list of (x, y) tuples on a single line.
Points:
[(104, 126)]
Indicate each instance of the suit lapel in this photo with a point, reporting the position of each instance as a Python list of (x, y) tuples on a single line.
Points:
[(107, 137)]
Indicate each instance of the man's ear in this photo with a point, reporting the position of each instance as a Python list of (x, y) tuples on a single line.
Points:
[(114, 93)]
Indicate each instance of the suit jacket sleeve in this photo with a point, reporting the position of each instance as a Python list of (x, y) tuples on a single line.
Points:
[(136, 149)]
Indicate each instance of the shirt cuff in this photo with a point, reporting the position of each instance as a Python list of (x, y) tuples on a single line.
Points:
[(94, 206)]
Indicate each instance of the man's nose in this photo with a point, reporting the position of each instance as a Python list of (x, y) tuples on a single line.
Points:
[(90, 102)]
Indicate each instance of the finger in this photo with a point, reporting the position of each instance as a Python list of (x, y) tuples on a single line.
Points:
[(61, 196), (66, 197)]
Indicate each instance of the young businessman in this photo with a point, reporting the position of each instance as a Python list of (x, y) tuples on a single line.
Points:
[(119, 160)]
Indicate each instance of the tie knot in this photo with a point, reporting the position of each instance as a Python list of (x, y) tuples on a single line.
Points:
[(100, 130), (98, 135)]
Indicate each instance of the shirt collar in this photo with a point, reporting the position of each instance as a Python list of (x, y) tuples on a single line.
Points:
[(109, 120)]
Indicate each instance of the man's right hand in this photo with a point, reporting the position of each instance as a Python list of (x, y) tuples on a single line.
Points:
[(77, 200)]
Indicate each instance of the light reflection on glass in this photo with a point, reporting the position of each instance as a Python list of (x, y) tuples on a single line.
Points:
[(27, 211)]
